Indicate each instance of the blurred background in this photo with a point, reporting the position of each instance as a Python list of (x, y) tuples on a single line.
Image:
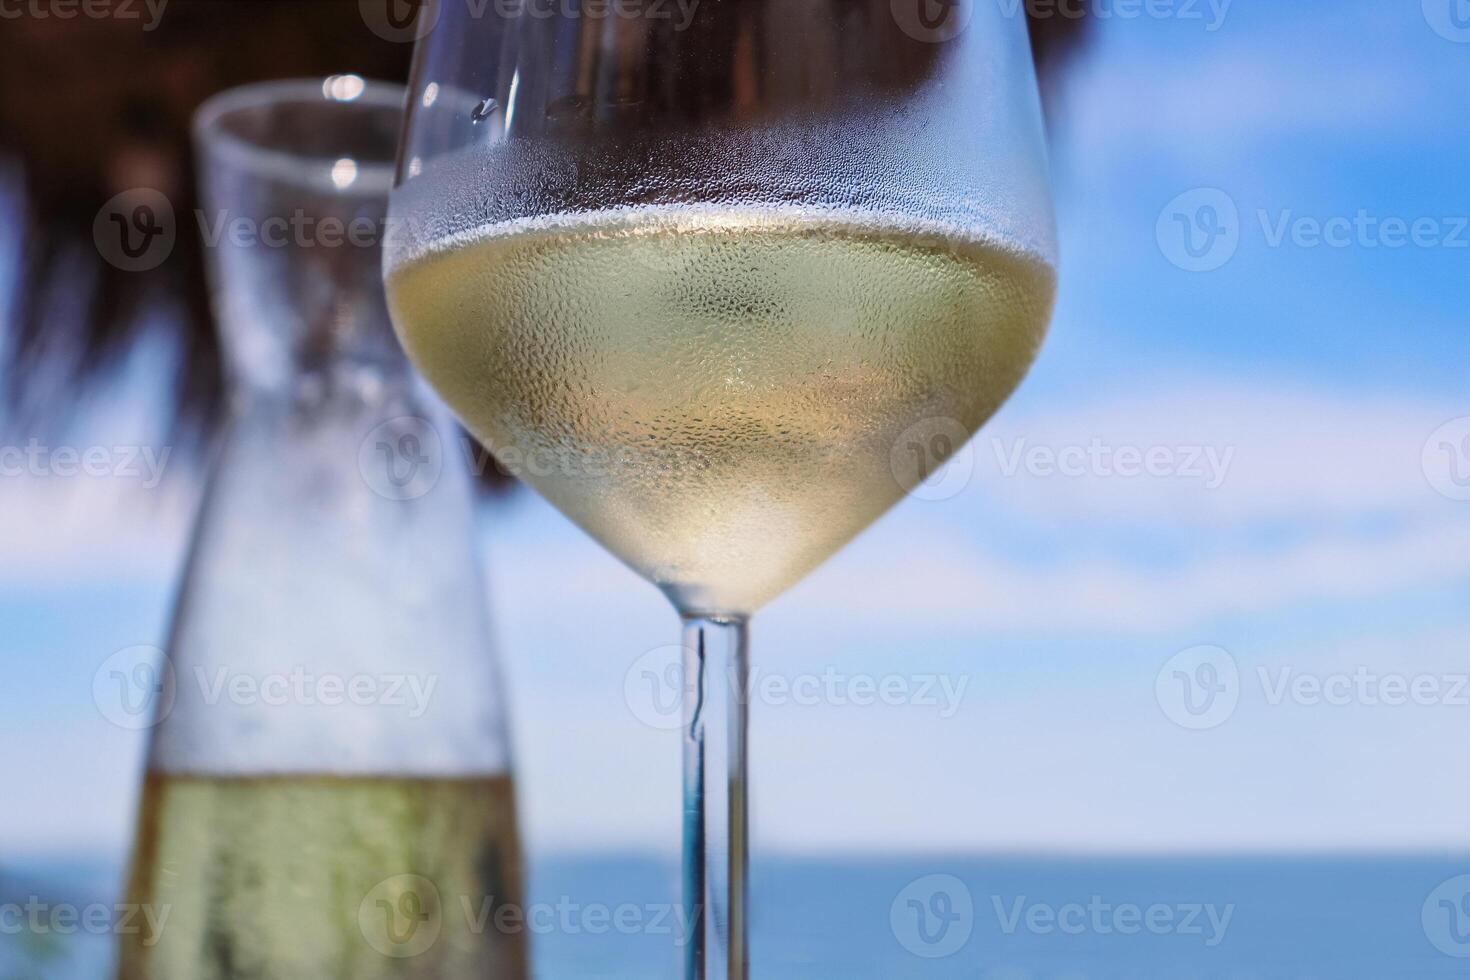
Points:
[(1188, 623)]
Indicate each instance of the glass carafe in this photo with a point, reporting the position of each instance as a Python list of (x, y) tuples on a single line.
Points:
[(328, 792)]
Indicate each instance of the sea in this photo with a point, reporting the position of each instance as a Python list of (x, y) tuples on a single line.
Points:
[(970, 917)]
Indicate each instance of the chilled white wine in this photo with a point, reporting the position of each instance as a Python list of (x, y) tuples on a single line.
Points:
[(716, 396), (305, 877)]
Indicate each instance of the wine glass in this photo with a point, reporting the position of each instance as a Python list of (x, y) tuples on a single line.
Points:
[(726, 279)]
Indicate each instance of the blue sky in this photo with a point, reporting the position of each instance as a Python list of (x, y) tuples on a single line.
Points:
[(1319, 373)]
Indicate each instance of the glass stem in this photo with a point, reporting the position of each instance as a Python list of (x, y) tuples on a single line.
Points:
[(716, 669)]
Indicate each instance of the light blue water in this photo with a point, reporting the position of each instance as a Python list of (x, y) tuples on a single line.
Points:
[(1324, 918), (994, 918)]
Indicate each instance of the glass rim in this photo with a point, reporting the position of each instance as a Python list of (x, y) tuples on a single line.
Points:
[(374, 177)]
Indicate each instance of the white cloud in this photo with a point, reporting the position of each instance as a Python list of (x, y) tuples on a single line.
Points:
[(1287, 453), (915, 575)]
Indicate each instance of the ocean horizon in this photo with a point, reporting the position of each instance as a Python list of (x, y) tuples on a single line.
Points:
[(969, 917)]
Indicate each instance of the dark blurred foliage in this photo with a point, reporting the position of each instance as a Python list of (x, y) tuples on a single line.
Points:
[(90, 107)]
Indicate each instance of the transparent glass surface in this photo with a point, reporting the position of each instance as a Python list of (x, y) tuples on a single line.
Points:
[(748, 271), (329, 783)]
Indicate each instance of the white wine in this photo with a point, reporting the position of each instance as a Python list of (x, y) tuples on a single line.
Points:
[(715, 395), (287, 877)]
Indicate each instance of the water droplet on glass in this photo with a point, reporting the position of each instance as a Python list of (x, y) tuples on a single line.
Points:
[(483, 110)]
